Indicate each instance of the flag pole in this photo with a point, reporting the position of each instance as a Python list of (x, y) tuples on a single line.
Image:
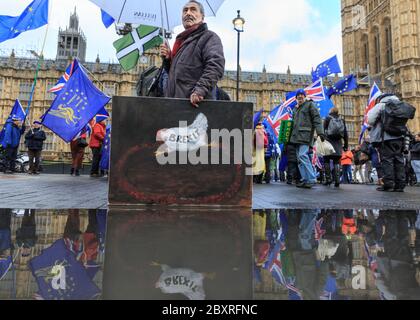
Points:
[(92, 75), (40, 59)]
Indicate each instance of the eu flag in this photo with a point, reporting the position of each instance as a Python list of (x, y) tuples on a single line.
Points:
[(60, 276), (324, 107), (18, 112), (326, 68), (34, 16), (76, 104), (346, 84), (106, 147)]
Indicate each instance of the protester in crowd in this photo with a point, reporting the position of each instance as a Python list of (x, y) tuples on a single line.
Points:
[(306, 120), (14, 129), (293, 174), (415, 158), (77, 147), (390, 146), (95, 144), (260, 145), (34, 140), (196, 62), (336, 134), (346, 163)]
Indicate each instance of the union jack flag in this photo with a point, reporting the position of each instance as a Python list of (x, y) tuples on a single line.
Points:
[(375, 92), (319, 231), (316, 161), (279, 114), (65, 77), (316, 91), (283, 112), (274, 265)]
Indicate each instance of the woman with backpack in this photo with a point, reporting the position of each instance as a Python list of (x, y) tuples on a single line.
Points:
[(336, 134)]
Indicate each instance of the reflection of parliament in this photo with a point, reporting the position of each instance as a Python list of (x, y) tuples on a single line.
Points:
[(381, 40)]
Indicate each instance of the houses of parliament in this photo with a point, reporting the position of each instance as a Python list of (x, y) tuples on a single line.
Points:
[(381, 41)]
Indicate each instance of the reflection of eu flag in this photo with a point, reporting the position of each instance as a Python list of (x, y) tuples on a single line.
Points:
[(346, 84), (18, 112), (104, 164), (326, 68), (76, 104), (33, 17), (60, 276)]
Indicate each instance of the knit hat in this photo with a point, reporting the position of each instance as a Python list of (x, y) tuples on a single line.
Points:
[(301, 91)]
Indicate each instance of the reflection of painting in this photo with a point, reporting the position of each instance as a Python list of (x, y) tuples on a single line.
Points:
[(144, 128), (336, 254), (178, 254)]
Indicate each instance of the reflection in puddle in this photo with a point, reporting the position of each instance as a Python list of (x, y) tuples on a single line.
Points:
[(170, 254), (336, 254), (53, 255), (182, 254)]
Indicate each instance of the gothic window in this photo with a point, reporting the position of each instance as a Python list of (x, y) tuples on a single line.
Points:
[(50, 96), (388, 44), (1, 87), (377, 43), (365, 51), (251, 98), (25, 88), (110, 89), (75, 43), (348, 107)]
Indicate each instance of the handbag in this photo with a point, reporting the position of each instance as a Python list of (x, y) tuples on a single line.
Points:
[(325, 148), (82, 143)]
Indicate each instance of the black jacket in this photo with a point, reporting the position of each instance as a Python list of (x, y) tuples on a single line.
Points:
[(35, 138)]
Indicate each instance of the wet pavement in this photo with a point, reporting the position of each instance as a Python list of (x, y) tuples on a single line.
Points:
[(67, 192)]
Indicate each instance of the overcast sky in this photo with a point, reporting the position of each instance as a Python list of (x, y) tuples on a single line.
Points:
[(278, 33)]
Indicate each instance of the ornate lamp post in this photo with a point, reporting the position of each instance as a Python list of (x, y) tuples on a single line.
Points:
[(238, 25)]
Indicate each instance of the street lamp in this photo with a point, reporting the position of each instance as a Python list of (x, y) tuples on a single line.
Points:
[(238, 25)]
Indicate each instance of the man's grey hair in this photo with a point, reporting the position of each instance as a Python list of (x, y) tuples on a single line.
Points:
[(199, 5)]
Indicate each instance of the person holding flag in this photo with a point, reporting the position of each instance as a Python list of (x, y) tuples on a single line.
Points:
[(196, 62), (34, 140), (14, 129)]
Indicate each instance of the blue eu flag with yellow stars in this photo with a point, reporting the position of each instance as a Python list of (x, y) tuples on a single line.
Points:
[(76, 104), (324, 107), (346, 84), (60, 276), (326, 68), (34, 16), (106, 148)]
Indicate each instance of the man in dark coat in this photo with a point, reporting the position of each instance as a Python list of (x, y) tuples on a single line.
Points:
[(14, 130), (306, 120), (196, 62), (34, 140)]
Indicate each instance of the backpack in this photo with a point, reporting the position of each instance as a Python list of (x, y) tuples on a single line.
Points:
[(336, 128), (148, 84), (396, 116)]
